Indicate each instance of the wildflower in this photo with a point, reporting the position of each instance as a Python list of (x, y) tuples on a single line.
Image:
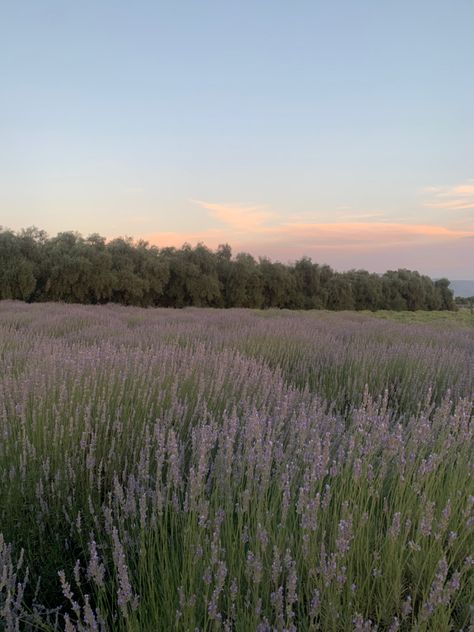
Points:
[(406, 607), (314, 604), (439, 594), (394, 530), (77, 573), (124, 589), (95, 569), (344, 536), (427, 519)]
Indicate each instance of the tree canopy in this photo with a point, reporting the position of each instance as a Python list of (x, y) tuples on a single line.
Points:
[(74, 269)]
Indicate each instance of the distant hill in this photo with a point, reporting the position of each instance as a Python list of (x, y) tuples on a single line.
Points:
[(462, 288)]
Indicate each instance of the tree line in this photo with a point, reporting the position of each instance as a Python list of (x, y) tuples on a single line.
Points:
[(465, 301), (76, 269)]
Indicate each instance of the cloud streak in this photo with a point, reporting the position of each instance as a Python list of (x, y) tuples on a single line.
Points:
[(256, 229), (455, 198), (364, 240), (242, 217)]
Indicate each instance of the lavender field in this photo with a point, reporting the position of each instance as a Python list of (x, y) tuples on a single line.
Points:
[(211, 470)]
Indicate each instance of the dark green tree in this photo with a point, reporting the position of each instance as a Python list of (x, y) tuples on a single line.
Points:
[(71, 268)]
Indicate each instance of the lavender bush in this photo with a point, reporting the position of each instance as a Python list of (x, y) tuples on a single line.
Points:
[(234, 470)]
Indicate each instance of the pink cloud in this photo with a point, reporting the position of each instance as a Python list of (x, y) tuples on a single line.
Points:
[(343, 244), (453, 204), (459, 197), (306, 235), (464, 189), (243, 217)]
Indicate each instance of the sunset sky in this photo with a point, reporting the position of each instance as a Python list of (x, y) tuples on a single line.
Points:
[(341, 130)]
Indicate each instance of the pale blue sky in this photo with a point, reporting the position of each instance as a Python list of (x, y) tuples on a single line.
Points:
[(342, 130)]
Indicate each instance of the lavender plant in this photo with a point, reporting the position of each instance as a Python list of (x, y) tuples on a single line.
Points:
[(234, 470)]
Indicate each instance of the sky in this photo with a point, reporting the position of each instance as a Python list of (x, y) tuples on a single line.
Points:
[(341, 130)]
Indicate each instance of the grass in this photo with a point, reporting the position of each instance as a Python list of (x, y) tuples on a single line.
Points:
[(234, 470), (463, 317)]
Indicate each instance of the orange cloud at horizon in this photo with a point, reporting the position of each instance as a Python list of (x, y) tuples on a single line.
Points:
[(340, 235), (368, 243)]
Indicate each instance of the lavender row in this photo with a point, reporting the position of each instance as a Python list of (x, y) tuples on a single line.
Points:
[(209, 470)]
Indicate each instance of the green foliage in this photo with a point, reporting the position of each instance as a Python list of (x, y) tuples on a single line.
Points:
[(73, 269), (17, 280)]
